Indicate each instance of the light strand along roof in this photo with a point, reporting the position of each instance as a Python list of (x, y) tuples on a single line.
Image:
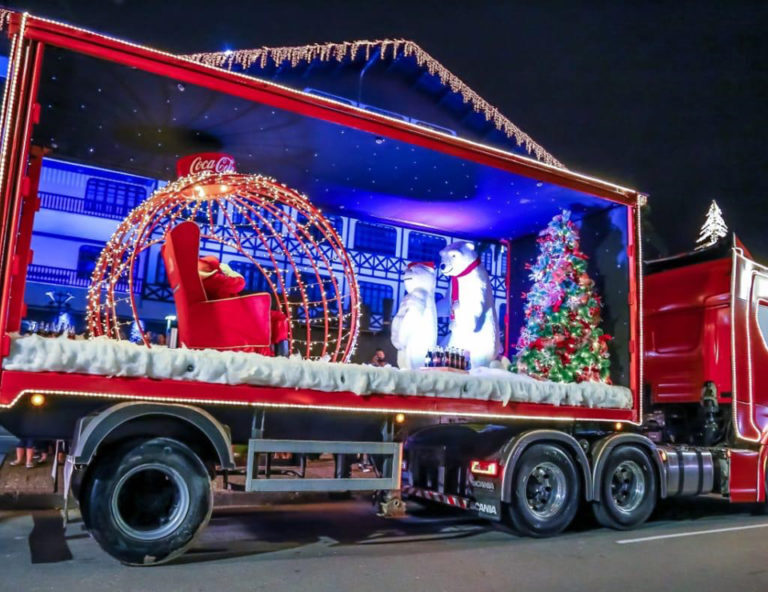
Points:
[(363, 49)]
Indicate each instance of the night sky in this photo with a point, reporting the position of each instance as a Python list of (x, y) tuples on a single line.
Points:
[(669, 98)]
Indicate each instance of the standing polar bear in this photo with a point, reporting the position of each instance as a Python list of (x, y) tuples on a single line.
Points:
[(474, 326), (414, 328)]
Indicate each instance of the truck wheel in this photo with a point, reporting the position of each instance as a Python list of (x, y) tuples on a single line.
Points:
[(146, 501), (627, 489), (545, 491)]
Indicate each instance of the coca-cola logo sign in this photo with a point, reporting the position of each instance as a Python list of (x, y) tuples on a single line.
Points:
[(211, 162)]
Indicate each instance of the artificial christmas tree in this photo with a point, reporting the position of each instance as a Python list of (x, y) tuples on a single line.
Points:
[(562, 340), (714, 227)]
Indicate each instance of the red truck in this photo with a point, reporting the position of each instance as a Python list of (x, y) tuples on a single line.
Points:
[(145, 448)]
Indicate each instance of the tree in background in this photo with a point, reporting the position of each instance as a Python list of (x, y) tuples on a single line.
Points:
[(714, 228), (562, 340)]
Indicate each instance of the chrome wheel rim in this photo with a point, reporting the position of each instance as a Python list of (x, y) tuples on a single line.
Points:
[(150, 501), (545, 490), (627, 486)]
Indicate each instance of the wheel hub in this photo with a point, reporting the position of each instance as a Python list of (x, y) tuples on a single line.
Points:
[(627, 486), (150, 501), (545, 489)]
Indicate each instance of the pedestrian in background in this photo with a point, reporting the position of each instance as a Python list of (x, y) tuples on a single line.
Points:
[(26, 452)]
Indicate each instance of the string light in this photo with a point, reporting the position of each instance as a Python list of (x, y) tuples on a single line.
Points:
[(574, 416), (287, 240), (363, 49), (713, 229), (627, 196)]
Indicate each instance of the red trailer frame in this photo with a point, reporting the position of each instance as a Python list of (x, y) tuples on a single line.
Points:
[(30, 35)]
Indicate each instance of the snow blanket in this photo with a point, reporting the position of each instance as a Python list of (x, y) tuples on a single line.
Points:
[(108, 357)]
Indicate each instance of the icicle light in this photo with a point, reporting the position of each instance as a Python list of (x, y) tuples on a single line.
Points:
[(354, 50), (362, 49)]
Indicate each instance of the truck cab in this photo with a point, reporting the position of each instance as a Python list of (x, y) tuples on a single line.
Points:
[(705, 335)]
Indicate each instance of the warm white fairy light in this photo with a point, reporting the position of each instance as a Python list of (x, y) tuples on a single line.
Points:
[(9, 92), (626, 195), (575, 416), (713, 229), (350, 50), (280, 233)]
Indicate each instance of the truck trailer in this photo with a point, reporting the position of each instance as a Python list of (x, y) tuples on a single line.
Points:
[(704, 333), (150, 428)]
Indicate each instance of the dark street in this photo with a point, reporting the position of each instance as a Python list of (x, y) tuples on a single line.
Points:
[(344, 546)]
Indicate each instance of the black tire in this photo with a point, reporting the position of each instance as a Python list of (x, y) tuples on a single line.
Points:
[(146, 501), (628, 489), (545, 491)]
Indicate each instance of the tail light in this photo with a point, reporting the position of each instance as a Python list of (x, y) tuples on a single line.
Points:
[(489, 468)]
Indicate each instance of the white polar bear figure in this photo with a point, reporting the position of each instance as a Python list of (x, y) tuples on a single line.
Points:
[(414, 328), (474, 326)]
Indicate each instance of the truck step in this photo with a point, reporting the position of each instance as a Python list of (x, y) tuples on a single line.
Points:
[(262, 477)]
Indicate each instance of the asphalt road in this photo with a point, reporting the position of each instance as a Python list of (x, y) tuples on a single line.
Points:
[(697, 545)]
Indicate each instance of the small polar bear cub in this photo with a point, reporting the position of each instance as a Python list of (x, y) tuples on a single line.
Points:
[(414, 328), (474, 325)]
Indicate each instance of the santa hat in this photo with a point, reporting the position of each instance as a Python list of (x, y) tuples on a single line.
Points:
[(430, 264), (207, 266)]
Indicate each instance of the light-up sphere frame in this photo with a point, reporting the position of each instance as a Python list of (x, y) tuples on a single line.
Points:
[(270, 233)]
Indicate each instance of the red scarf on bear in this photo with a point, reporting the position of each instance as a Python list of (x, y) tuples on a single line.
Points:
[(455, 282)]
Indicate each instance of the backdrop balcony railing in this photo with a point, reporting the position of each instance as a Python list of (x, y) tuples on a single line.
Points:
[(368, 265), (371, 265), (157, 291), (80, 205), (59, 276)]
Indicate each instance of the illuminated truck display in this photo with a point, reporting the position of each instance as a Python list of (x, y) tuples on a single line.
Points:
[(152, 426)]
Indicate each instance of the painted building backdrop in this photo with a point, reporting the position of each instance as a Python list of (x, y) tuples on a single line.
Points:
[(82, 205)]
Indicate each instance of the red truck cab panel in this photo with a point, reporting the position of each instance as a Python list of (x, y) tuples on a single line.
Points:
[(745, 476), (706, 319), (687, 330)]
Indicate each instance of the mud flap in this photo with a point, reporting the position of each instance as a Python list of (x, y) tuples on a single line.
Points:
[(487, 497)]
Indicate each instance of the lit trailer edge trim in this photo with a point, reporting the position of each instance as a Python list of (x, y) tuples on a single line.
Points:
[(247, 87), (620, 414)]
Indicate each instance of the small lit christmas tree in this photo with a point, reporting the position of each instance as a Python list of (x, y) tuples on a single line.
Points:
[(713, 229), (137, 330), (562, 340)]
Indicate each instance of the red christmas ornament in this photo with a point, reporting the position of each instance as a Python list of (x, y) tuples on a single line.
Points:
[(229, 206)]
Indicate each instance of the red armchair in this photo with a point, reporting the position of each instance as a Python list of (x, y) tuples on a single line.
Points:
[(239, 323)]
